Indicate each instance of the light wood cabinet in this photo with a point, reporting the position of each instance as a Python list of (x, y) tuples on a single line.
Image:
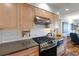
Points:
[(34, 51), (46, 14), (8, 16), (41, 12), (53, 17), (21, 15), (26, 16)]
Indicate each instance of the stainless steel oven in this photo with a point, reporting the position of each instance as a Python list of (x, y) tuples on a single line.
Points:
[(47, 46)]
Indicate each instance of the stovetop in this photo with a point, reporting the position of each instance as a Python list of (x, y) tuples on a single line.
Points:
[(41, 39), (45, 42)]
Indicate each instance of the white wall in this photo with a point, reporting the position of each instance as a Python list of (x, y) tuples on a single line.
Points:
[(69, 26), (70, 19)]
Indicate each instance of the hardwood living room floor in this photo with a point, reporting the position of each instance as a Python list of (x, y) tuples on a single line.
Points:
[(71, 49)]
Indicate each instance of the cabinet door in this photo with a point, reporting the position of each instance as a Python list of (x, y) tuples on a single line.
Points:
[(8, 15), (41, 12), (26, 16), (2, 18), (53, 17), (46, 14)]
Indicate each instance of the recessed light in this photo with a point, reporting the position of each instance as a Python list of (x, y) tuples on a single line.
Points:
[(66, 9)]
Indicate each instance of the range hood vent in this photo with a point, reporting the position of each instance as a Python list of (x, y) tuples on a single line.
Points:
[(42, 20)]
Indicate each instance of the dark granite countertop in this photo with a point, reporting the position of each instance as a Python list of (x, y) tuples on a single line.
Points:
[(15, 46)]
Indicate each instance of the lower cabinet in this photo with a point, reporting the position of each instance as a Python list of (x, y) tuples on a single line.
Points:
[(33, 51), (60, 47)]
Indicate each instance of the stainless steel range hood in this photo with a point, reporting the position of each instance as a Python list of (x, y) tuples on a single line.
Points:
[(41, 20)]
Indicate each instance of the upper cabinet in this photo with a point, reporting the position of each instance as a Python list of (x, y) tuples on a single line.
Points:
[(28, 12), (41, 12), (53, 17), (21, 15), (8, 16), (46, 14), (26, 16)]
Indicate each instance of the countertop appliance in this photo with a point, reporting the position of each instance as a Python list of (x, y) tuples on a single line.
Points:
[(46, 45)]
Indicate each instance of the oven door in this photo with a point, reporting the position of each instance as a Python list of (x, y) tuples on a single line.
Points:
[(49, 52)]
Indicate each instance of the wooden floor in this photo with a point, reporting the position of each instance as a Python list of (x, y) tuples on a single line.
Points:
[(71, 48)]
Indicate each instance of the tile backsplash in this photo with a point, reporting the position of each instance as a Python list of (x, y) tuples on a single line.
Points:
[(8, 35), (38, 32), (0, 36)]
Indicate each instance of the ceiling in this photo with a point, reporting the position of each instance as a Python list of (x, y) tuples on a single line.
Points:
[(60, 7)]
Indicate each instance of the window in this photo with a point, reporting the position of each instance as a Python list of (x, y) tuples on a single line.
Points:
[(64, 27)]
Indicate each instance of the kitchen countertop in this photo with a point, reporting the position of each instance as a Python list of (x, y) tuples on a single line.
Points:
[(10, 47), (60, 42)]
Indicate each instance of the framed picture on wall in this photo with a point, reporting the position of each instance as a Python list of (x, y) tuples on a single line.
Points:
[(64, 27)]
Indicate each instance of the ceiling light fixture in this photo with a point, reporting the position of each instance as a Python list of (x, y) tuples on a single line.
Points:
[(66, 9)]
